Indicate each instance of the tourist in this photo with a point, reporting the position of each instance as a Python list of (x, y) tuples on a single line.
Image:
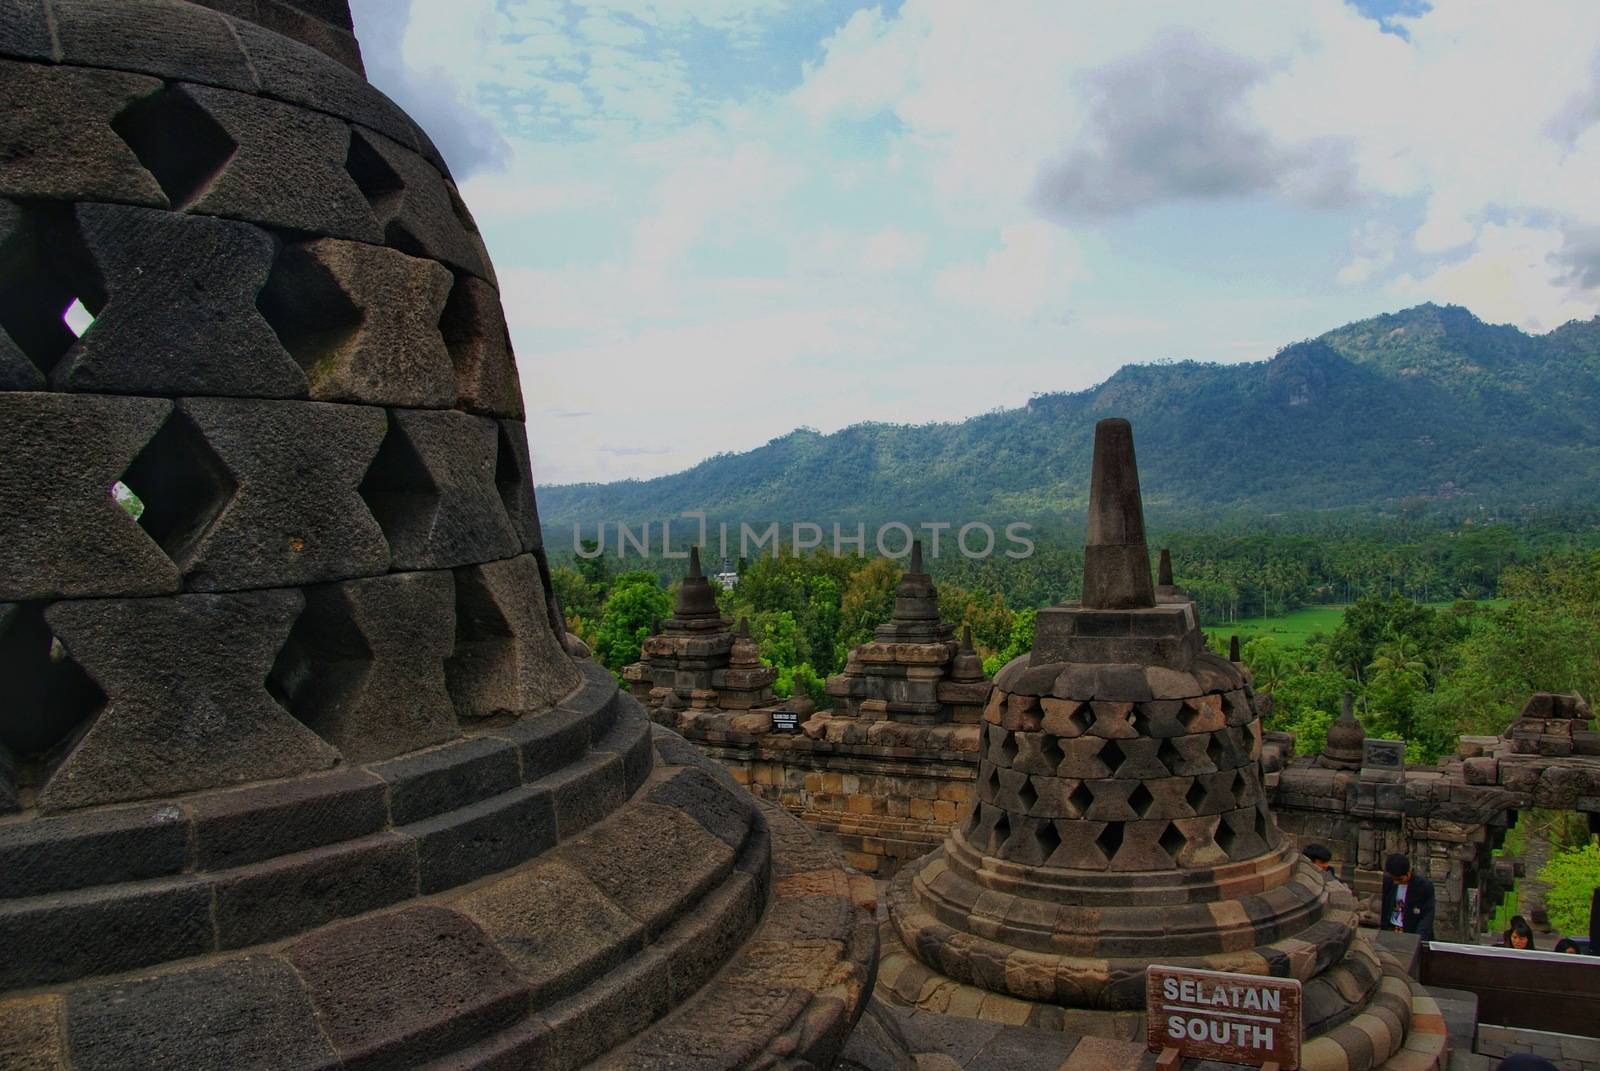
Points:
[(1407, 899), (1519, 934), (1322, 859), (1568, 945)]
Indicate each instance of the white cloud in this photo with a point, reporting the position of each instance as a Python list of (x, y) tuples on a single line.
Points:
[(1028, 276), (1513, 275), (694, 207), (1372, 249)]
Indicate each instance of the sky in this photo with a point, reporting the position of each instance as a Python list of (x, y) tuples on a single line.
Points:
[(715, 221)]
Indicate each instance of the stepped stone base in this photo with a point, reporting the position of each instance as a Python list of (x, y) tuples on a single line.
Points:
[(924, 1021), (574, 888)]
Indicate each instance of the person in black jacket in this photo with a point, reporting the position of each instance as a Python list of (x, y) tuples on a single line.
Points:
[(1407, 899)]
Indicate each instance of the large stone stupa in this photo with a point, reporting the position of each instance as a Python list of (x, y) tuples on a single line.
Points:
[(295, 771), (1120, 821)]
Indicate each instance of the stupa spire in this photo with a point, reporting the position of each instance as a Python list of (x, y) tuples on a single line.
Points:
[(1116, 562)]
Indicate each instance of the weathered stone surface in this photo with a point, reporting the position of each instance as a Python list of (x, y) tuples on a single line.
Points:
[(174, 40), (180, 312), (93, 848), (464, 844), (398, 989), (480, 347), (653, 866), (365, 664), (298, 75), (10, 790), (548, 740), (48, 695), (724, 813), (38, 102), (73, 935), (30, 1031), (432, 489), (243, 1013), (507, 659), (557, 928), (586, 791), (265, 901), (187, 705), (27, 32), (288, 170), (1116, 566), (419, 212), (363, 321), (61, 533), (514, 476), (246, 825), (429, 782), (295, 516)]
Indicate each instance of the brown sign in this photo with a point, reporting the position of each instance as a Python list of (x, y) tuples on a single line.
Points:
[(1234, 1018)]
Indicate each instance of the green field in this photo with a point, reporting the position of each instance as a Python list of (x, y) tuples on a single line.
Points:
[(1288, 630), (1297, 626)]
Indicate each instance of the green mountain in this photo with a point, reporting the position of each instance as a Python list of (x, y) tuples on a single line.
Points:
[(1425, 404)]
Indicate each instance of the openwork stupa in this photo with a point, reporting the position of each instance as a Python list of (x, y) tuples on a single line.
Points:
[(1120, 821), (295, 771)]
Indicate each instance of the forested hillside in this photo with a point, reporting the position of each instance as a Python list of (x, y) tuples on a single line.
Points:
[(1429, 404)]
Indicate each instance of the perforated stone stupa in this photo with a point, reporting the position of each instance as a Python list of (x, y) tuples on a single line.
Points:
[(294, 768), (912, 670), (1119, 821), (696, 660)]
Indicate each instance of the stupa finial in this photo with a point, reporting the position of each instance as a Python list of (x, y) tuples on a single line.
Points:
[(1116, 562)]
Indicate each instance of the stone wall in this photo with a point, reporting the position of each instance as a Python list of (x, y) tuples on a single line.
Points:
[(886, 791)]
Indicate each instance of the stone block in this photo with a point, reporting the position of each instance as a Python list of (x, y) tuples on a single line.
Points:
[(556, 927), (474, 329), (440, 779), (548, 741), (265, 901), (97, 847), (246, 825), (629, 739), (178, 314), (291, 73), (507, 658), (514, 477), (1482, 770), (61, 532), (38, 102), (287, 168), (656, 866), (30, 1028), (295, 515), (101, 931), (420, 212), (363, 321), (401, 988), (586, 791), (171, 40), (497, 834), (432, 488), (221, 1017), (700, 795), (187, 705), (365, 664), (26, 32)]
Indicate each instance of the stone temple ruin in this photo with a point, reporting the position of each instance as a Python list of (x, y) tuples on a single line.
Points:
[(295, 770), (299, 770), (1121, 820), (885, 773)]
